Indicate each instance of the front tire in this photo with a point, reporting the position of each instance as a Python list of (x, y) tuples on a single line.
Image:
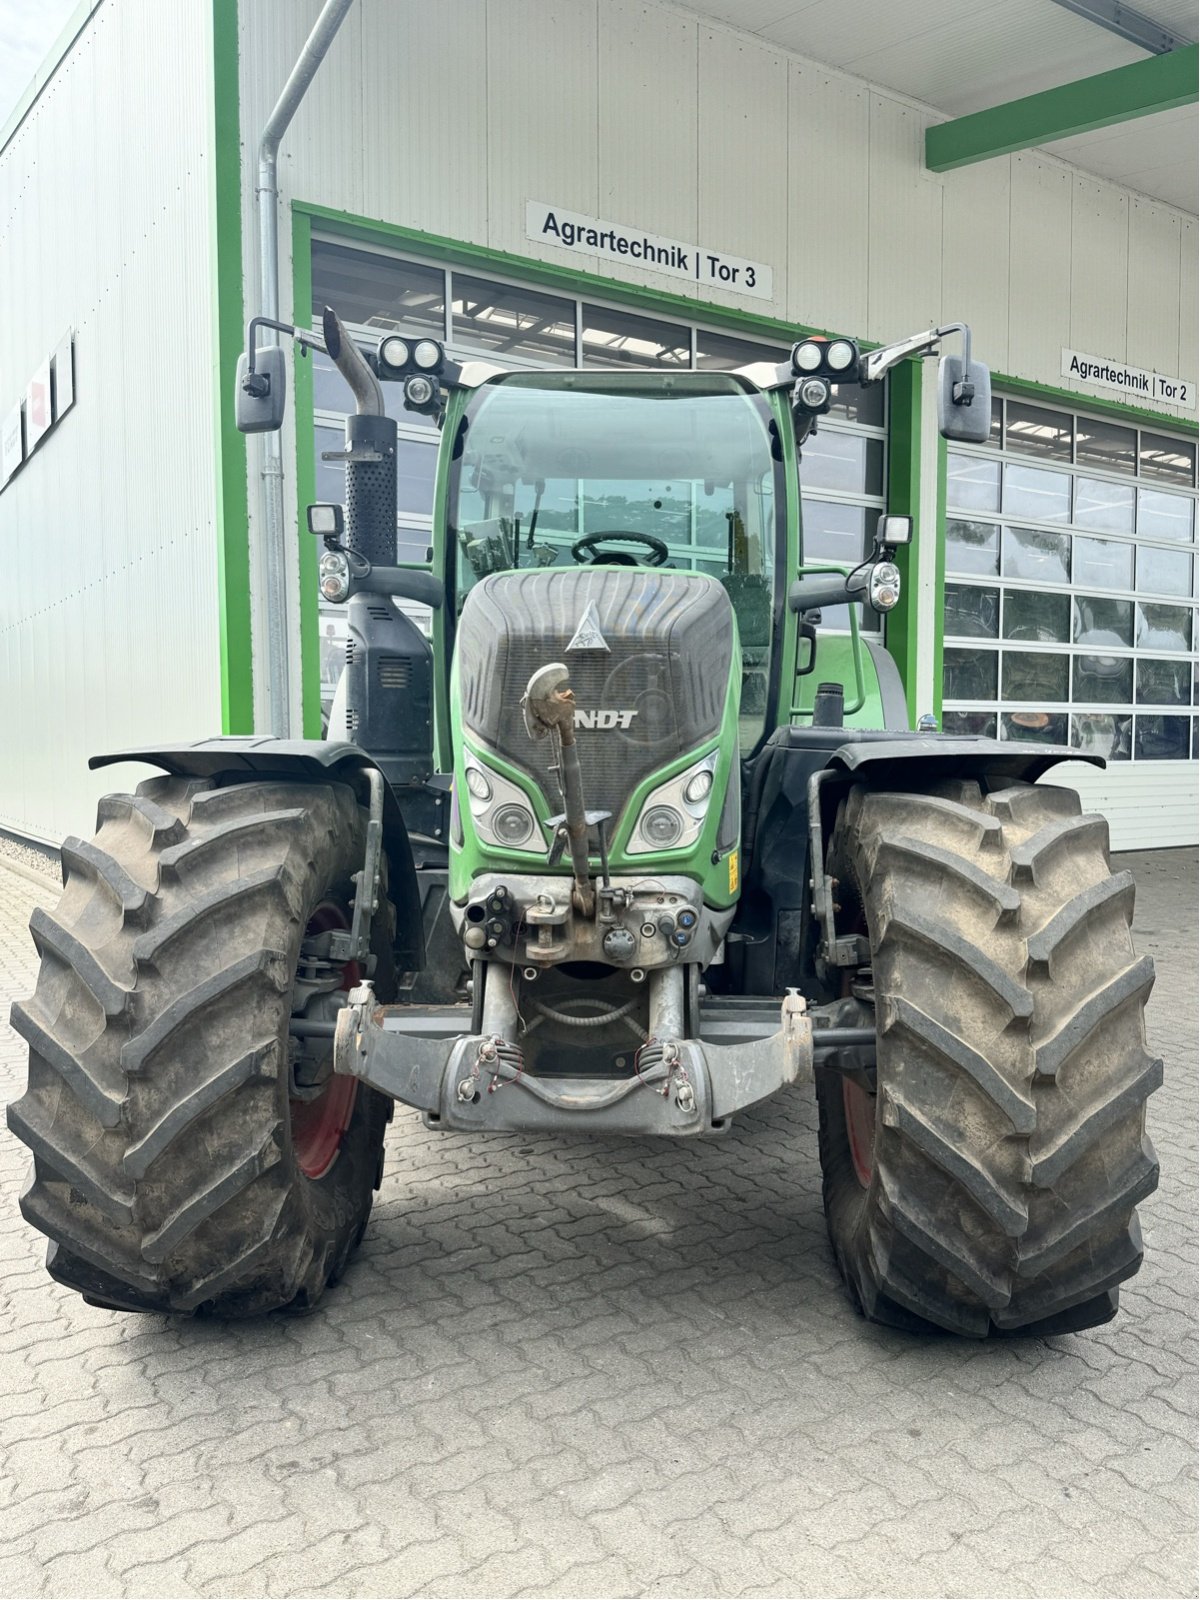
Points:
[(990, 1183), (172, 1169)]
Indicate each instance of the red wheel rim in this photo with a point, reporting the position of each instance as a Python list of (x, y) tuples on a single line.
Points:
[(319, 1126), (859, 1107)]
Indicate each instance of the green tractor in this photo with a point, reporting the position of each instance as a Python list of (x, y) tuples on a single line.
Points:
[(628, 846)]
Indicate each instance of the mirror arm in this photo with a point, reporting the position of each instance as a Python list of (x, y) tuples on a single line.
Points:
[(307, 341), (876, 362)]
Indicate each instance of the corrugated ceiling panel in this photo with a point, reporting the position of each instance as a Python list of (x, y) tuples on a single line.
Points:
[(905, 246), (743, 94), (1039, 267), (1156, 155), (828, 187), (648, 125)]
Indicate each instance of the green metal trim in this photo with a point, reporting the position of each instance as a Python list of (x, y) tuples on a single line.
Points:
[(232, 498), (306, 486), (1025, 388), (1160, 83), (570, 280), (904, 500)]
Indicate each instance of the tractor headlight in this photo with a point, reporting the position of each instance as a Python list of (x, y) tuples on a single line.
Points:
[(500, 811), (333, 577), (419, 390), (807, 355), (814, 394), (427, 354), (840, 355), (673, 814), (394, 352), (884, 587)]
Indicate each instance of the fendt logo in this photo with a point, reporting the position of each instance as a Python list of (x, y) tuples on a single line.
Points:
[(604, 719)]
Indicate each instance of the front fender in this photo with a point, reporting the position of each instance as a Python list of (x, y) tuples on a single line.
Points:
[(243, 756)]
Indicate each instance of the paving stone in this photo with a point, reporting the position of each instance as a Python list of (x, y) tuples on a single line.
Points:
[(606, 1368)]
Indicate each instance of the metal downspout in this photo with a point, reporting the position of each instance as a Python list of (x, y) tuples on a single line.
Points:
[(279, 699)]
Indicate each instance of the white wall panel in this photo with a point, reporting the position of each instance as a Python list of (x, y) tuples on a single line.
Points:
[(1099, 270), (644, 114), (1152, 286), (1150, 805), (108, 615), (1039, 311), (828, 198), (976, 255), (742, 170), (905, 288), (649, 114), (1188, 298)]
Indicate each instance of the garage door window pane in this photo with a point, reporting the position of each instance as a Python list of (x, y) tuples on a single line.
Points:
[(1163, 627), (619, 339), (717, 352), (1103, 622), (972, 613), (1034, 727), (1045, 557), (858, 404), (1162, 738), (1164, 571), (1103, 564), (1107, 507), (377, 291), (1173, 460), (1037, 618), (982, 724), (1032, 675), (1108, 736), (1107, 445), (1163, 683), (1035, 431), (1165, 516), (969, 674), (1036, 495), (416, 468), (972, 483), (848, 462), (973, 547), (1103, 679), (510, 322)]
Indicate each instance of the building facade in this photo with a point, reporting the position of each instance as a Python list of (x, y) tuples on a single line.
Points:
[(1051, 588)]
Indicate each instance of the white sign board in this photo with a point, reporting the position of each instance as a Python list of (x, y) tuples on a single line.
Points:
[(589, 236), (38, 413), (1135, 383), (64, 377), (11, 452)]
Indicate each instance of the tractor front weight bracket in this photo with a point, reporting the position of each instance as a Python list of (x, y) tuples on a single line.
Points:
[(477, 1082)]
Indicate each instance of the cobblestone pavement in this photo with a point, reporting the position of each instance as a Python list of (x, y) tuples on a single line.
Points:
[(566, 1367)]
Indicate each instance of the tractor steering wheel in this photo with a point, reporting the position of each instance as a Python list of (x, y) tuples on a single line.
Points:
[(588, 546)]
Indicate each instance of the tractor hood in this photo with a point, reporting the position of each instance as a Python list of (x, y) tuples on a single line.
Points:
[(649, 654)]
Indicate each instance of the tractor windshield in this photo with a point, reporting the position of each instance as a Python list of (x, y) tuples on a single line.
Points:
[(646, 468)]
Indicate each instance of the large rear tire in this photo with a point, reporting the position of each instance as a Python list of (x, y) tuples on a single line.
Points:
[(173, 1171), (990, 1183)]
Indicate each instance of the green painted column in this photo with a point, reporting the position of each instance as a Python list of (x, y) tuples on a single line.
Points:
[(916, 488)]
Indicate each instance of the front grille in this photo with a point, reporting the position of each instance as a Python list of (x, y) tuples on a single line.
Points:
[(670, 641)]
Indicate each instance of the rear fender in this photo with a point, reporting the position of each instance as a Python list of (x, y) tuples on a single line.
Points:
[(243, 758)]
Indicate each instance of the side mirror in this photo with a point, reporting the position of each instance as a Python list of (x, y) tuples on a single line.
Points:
[(262, 393), (964, 400)]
